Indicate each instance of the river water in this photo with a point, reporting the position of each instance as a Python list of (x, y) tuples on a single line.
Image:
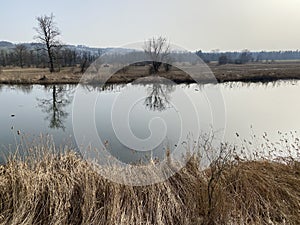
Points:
[(135, 120)]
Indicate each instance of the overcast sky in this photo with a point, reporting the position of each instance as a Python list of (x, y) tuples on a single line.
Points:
[(192, 24)]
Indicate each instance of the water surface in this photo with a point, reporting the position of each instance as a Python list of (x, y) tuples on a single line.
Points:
[(252, 109)]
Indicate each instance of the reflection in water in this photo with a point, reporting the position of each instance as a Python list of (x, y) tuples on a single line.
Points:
[(56, 106), (266, 108), (24, 88), (158, 98), (256, 85), (105, 88)]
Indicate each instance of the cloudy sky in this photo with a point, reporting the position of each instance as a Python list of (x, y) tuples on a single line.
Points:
[(192, 24)]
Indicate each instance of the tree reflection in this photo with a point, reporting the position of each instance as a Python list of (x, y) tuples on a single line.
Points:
[(55, 107), (158, 98), (26, 89)]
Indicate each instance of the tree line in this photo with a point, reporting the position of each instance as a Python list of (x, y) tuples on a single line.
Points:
[(34, 55), (22, 56), (247, 56)]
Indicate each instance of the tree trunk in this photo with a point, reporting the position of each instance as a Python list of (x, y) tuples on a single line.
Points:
[(50, 58)]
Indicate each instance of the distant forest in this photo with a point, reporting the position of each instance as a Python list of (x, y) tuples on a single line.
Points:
[(247, 56), (34, 55)]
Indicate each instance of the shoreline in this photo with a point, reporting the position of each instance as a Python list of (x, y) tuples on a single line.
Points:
[(251, 72)]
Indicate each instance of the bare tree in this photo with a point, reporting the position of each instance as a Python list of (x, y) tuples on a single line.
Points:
[(47, 33), (21, 52), (158, 49)]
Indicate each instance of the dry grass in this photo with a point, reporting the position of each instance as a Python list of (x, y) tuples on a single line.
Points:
[(37, 76), (57, 188), (250, 72)]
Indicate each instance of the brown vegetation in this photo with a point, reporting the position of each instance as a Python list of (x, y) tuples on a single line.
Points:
[(49, 188), (39, 76), (251, 72)]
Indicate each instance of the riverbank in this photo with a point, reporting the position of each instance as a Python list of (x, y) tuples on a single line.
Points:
[(251, 72), (65, 189)]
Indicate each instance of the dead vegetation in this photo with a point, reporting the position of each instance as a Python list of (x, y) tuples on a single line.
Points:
[(250, 72), (62, 188)]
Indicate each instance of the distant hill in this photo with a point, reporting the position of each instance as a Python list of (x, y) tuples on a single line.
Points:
[(6, 44)]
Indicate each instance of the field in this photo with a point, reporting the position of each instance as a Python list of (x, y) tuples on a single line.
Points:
[(38, 76), (251, 72)]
